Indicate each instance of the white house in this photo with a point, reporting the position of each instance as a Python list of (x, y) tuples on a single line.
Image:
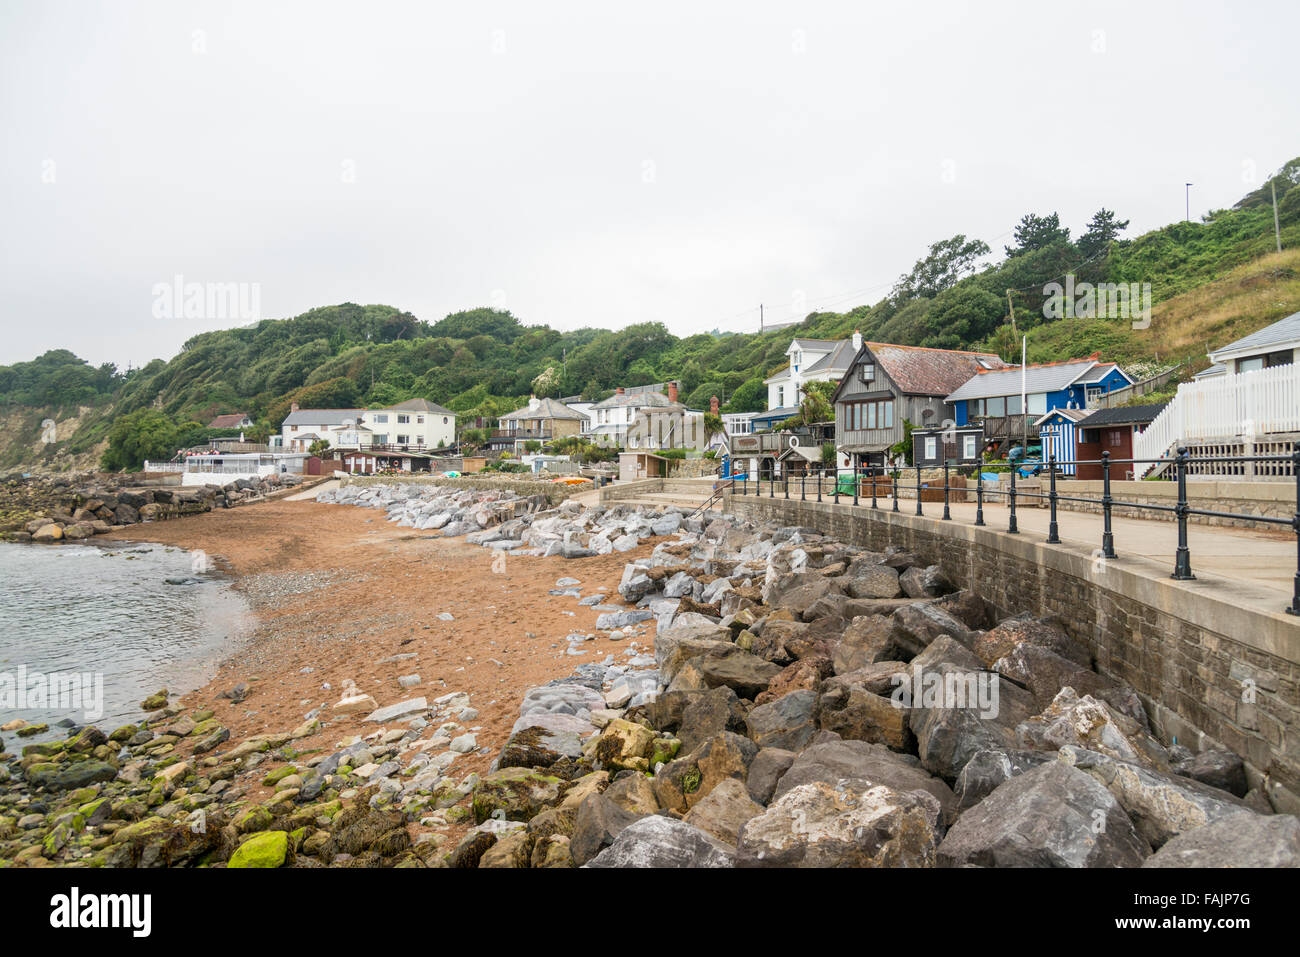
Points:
[(1249, 406), (415, 423), (615, 415), (811, 360)]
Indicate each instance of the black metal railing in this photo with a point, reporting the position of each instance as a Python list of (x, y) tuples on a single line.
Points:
[(1181, 511)]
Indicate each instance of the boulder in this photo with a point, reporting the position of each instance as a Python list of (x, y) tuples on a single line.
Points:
[(787, 723), (1161, 806), (1000, 641), (820, 825), (706, 714), (746, 674), (518, 793), (723, 811), (599, 820), (1050, 816), (1217, 767), (872, 581), (858, 715), (914, 626), (927, 582), (663, 842), (1045, 673), (1243, 839), (764, 772), (867, 640), (804, 674), (682, 782), (988, 770), (1092, 725), (865, 765)]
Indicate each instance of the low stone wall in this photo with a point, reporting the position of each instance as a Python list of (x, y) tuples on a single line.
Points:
[(1205, 658), (555, 492), (625, 490), (1274, 499)]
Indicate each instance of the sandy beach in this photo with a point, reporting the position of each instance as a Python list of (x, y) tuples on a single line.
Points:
[(337, 589)]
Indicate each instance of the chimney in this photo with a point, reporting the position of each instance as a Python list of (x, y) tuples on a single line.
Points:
[(672, 392), (857, 340), (293, 406), (713, 405), (618, 391), (533, 402)]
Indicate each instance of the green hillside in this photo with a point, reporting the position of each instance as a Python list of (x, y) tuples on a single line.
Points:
[(484, 362)]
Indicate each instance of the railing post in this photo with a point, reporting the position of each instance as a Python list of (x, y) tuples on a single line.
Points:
[(1107, 537), (771, 485), (835, 492), (785, 482), (855, 478), (1011, 497), (895, 488), (1053, 530), (744, 485), (1183, 557), (1295, 523), (803, 486), (947, 516), (874, 504), (820, 475), (979, 497), (918, 491)]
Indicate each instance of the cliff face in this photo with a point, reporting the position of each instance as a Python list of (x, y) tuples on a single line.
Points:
[(42, 441)]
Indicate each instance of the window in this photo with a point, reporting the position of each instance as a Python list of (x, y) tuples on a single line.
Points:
[(1038, 403), (1013, 405), (868, 372), (403, 440), (381, 418), (1253, 364), (403, 420), (419, 420), (871, 414), (968, 447), (997, 407), (930, 448), (780, 396)]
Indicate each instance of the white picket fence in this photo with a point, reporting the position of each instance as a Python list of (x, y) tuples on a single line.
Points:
[(1246, 405)]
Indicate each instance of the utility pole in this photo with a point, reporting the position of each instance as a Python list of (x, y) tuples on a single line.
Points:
[(1277, 230), (760, 317), (1011, 307), (1187, 199)]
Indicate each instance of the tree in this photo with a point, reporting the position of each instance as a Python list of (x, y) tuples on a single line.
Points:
[(1037, 232), (750, 397), (947, 262), (143, 434), (319, 447), (547, 384), (815, 406), (1103, 229)]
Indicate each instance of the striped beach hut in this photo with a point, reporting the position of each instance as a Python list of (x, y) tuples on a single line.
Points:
[(1057, 430)]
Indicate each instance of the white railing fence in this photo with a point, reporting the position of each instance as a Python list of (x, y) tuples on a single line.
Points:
[(1244, 404)]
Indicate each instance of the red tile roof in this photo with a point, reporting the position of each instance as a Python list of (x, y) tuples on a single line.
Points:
[(923, 371)]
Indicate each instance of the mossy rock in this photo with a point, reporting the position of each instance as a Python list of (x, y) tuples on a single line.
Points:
[(664, 750), (279, 774), (267, 849), (31, 730), (254, 818), (124, 733), (518, 793), (155, 702)]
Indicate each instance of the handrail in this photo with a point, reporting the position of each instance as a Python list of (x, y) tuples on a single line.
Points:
[(1181, 510)]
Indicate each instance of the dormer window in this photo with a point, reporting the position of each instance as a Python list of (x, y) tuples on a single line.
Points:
[(868, 371)]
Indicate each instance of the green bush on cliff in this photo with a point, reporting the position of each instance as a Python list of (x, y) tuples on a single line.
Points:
[(144, 434)]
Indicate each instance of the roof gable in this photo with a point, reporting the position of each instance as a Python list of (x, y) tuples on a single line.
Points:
[(1284, 332), (917, 370)]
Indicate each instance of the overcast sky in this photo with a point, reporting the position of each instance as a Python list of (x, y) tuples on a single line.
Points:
[(591, 163)]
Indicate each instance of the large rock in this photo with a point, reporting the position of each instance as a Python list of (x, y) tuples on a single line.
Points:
[(663, 842), (1243, 839), (1217, 767), (1045, 673), (598, 822), (723, 811), (806, 674), (684, 781), (707, 713), (764, 772), (1093, 725), (914, 626), (518, 793), (1000, 641), (1161, 806), (867, 640), (986, 771), (858, 715), (798, 590), (821, 825), (927, 582), (1050, 816), (787, 723), (873, 581), (864, 765), (746, 674)]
